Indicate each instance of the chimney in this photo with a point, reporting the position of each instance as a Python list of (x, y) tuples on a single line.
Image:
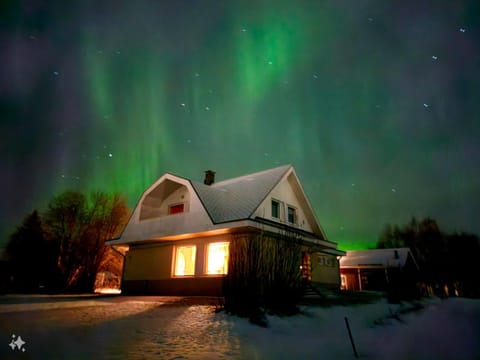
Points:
[(209, 177)]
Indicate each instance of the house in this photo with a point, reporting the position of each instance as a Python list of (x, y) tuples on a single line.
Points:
[(179, 233), (379, 269)]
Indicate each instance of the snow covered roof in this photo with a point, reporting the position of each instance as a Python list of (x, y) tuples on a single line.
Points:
[(221, 206), (385, 258), (237, 198)]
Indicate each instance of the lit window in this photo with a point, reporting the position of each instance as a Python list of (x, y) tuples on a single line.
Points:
[(185, 260), (292, 215), (275, 209), (175, 209), (217, 258)]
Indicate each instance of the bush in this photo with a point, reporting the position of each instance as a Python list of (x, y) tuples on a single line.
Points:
[(263, 276)]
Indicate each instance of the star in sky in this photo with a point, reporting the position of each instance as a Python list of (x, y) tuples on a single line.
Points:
[(333, 88)]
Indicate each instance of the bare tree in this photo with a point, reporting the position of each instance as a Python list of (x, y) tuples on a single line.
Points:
[(79, 227), (263, 275)]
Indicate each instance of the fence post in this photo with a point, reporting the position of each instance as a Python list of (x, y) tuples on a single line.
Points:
[(351, 338)]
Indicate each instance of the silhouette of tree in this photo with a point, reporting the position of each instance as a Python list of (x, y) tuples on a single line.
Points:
[(64, 249), (28, 255), (444, 259), (463, 254)]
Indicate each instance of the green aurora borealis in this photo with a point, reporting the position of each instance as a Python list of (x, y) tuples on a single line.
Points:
[(373, 104)]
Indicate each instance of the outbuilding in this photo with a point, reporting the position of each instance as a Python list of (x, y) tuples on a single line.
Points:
[(393, 270)]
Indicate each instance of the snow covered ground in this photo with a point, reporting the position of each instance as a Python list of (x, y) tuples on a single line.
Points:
[(120, 327)]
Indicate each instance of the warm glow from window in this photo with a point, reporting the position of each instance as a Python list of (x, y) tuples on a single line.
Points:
[(185, 260), (217, 258)]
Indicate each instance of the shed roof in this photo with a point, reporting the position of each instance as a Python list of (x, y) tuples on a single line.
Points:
[(385, 258)]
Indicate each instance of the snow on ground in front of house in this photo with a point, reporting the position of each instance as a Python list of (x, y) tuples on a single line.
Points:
[(167, 328), (447, 329)]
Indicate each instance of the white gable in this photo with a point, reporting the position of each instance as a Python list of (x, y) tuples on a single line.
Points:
[(151, 218), (288, 192)]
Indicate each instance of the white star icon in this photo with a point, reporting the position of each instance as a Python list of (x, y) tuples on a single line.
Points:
[(19, 342)]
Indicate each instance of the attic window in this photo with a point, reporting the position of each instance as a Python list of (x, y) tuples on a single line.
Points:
[(175, 209), (292, 215), (276, 209)]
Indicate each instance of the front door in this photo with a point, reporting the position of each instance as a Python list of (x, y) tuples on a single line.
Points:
[(306, 266)]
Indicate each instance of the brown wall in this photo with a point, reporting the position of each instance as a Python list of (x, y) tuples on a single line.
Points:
[(351, 279), (209, 286)]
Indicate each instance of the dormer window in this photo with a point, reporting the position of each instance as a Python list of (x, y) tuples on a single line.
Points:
[(176, 209), (168, 197)]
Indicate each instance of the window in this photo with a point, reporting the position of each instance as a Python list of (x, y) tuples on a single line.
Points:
[(292, 215), (276, 209), (185, 260), (217, 258), (175, 209)]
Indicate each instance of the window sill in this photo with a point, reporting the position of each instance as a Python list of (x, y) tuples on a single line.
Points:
[(214, 275)]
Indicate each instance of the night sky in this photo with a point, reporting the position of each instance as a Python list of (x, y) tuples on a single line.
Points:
[(375, 103)]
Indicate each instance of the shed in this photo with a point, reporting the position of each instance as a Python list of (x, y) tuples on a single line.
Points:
[(393, 269)]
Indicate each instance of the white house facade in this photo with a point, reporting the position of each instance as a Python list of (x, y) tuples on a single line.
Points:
[(179, 233)]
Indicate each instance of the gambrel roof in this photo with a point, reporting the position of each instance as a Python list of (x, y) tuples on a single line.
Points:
[(224, 206), (237, 198)]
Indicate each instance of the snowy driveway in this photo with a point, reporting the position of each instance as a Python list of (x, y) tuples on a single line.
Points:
[(117, 328), (126, 327)]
